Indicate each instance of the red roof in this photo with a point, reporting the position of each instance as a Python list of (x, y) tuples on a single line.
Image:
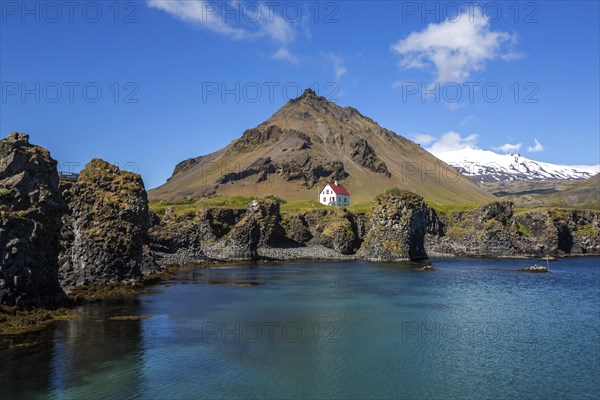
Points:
[(339, 188)]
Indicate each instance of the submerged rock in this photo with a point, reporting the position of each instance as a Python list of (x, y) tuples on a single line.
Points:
[(535, 268), (30, 220), (105, 228)]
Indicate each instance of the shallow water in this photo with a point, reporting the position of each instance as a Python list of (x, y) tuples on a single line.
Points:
[(470, 329)]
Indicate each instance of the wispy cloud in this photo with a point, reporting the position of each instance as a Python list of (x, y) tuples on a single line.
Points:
[(509, 148), (536, 148), (205, 14), (284, 54), (339, 66), (456, 49)]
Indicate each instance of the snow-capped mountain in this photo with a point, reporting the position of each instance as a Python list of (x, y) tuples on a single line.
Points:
[(487, 166)]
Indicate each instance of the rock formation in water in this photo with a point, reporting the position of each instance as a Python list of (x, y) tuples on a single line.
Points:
[(30, 219), (397, 228), (105, 228), (495, 230)]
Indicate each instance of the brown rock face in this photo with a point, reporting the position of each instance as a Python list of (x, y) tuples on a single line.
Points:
[(30, 220), (106, 227)]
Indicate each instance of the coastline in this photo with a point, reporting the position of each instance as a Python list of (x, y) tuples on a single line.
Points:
[(15, 322)]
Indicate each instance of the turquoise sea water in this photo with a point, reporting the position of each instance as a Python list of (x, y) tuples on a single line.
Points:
[(470, 329)]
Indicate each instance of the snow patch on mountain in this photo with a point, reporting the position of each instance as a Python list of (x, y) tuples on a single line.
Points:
[(488, 166)]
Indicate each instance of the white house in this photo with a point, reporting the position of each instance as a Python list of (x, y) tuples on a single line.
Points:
[(334, 194)]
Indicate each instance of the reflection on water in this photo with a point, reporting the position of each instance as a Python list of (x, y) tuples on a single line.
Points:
[(74, 351), (329, 330)]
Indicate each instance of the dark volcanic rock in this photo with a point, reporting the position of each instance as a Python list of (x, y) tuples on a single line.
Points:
[(365, 156), (178, 239), (261, 227), (186, 165), (494, 230), (261, 167), (108, 223), (30, 220), (397, 228), (334, 228), (255, 137)]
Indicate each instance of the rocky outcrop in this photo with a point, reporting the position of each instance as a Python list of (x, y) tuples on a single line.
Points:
[(262, 167), (397, 228), (365, 156), (495, 230), (260, 227), (30, 219), (334, 228), (400, 227), (180, 239), (105, 228)]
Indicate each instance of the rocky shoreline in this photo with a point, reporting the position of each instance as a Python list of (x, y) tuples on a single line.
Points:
[(59, 236)]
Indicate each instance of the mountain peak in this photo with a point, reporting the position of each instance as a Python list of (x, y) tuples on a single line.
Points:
[(312, 140), (311, 97), (308, 92)]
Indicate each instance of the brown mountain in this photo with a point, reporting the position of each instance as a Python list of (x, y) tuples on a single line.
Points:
[(310, 141)]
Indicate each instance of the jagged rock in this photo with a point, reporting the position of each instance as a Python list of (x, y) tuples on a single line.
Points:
[(340, 236), (178, 239), (185, 165), (333, 228), (296, 228), (397, 228), (30, 221), (365, 156), (261, 227), (255, 137), (495, 230), (108, 215), (261, 167)]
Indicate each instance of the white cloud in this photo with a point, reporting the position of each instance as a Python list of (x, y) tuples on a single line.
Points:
[(509, 148), (536, 148), (423, 139), (451, 140), (263, 24), (339, 66), (284, 54), (455, 49)]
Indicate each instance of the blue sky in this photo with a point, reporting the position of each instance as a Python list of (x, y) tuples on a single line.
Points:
[(148, 84)]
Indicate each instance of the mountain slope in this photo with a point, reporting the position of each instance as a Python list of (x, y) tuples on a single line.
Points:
[(310, 141), (581, 194), (487, 166)]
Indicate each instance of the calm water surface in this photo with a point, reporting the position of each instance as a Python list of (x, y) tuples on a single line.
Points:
[(470, 329)]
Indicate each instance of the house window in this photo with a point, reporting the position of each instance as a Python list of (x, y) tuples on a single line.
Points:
[(345, 199), (324, 198), (327, 191), (333, 199)]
